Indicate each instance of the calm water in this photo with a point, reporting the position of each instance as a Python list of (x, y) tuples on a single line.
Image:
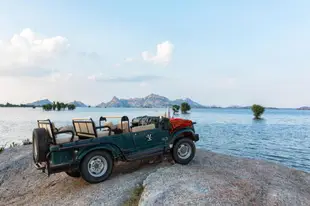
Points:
[(283, 137)]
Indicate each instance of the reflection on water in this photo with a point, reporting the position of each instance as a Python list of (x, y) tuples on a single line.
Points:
[(283, 136)]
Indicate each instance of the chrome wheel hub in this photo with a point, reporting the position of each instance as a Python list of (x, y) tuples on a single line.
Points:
[(97, 166), (184, 151)]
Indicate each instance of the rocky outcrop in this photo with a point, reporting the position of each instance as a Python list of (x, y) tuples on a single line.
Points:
[(303, 108), (150, 101), (213, 179), (210, 179), (40, 103), (78, 103)]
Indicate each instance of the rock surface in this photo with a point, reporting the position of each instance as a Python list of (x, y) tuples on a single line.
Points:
[(210, 179)]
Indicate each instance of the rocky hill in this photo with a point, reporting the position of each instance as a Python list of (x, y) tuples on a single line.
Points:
[(78, 104), (40, 103), (150, 101)]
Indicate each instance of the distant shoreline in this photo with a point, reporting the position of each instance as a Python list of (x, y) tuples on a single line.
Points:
[(235, 108)]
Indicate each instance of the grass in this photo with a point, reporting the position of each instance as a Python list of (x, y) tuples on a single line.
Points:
[(135, 196)]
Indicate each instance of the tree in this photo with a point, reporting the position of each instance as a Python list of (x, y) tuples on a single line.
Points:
[(185, 107), (175, 108), (63, 105), (54, 105), (58, 106), (71, 106), (257, 110), (47, 107)]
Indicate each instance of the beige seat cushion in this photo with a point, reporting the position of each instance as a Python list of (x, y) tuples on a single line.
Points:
[(143, 128), (65, 138), (103, 133), (109, 124)]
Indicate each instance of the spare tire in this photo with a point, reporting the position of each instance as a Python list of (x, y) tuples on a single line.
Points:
[(40, 142)]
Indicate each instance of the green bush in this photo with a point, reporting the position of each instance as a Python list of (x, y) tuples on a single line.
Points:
[(258, 111), (1, 149), (175, 108), (71, 106), (185, 107), (58, 106), (47, 107)]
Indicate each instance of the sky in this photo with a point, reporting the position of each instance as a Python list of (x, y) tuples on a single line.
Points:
[(214, 52)]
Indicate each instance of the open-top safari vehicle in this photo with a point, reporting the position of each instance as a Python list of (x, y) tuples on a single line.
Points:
[(90, 151)]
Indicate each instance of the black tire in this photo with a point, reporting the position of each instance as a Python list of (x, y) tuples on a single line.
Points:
[(75, 174), (178, 158), (40, 148), (96, 178)]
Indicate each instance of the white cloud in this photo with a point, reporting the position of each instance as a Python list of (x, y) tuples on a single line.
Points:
[(163, 53), (28, 53), (129, 59)]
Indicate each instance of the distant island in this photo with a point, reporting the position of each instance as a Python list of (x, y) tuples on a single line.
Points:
[(150, 101), (303, 108)]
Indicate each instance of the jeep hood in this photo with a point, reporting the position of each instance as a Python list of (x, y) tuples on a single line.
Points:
[(178, 123)]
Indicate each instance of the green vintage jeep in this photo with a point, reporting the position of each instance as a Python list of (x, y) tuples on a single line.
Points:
[(90, 151)]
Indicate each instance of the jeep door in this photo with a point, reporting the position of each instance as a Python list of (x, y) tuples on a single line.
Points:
[(153, 139)]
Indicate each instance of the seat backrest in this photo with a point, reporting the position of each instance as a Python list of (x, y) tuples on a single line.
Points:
[(84, 127), (143, 128), (124, 126)]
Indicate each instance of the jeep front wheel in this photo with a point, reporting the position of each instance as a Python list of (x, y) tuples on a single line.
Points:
[(183, 151), (97, 166)]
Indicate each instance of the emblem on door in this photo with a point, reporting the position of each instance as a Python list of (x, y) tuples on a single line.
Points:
[(149, 137)]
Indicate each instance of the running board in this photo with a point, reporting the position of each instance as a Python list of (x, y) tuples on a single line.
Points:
[(146, 154)]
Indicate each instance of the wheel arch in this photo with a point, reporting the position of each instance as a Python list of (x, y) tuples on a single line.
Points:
[(183, 133), (113, 150)]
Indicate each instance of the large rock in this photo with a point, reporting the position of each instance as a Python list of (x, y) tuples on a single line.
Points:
[(213, 179), (210, 179)]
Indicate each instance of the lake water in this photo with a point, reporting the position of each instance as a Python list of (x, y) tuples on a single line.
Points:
[(283, 137)]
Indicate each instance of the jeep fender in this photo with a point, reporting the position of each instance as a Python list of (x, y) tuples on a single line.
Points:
[(185, 132), (113, 149)]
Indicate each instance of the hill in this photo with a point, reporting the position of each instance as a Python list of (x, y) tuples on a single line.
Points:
[(78, 104), (150, 101), (40, 103), (303, 108)]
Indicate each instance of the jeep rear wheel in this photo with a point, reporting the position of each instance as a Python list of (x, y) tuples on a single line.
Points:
[(40, 139), (97, 166), (183, 151)]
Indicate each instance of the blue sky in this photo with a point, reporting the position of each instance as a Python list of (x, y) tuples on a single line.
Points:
[(215, 52)]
